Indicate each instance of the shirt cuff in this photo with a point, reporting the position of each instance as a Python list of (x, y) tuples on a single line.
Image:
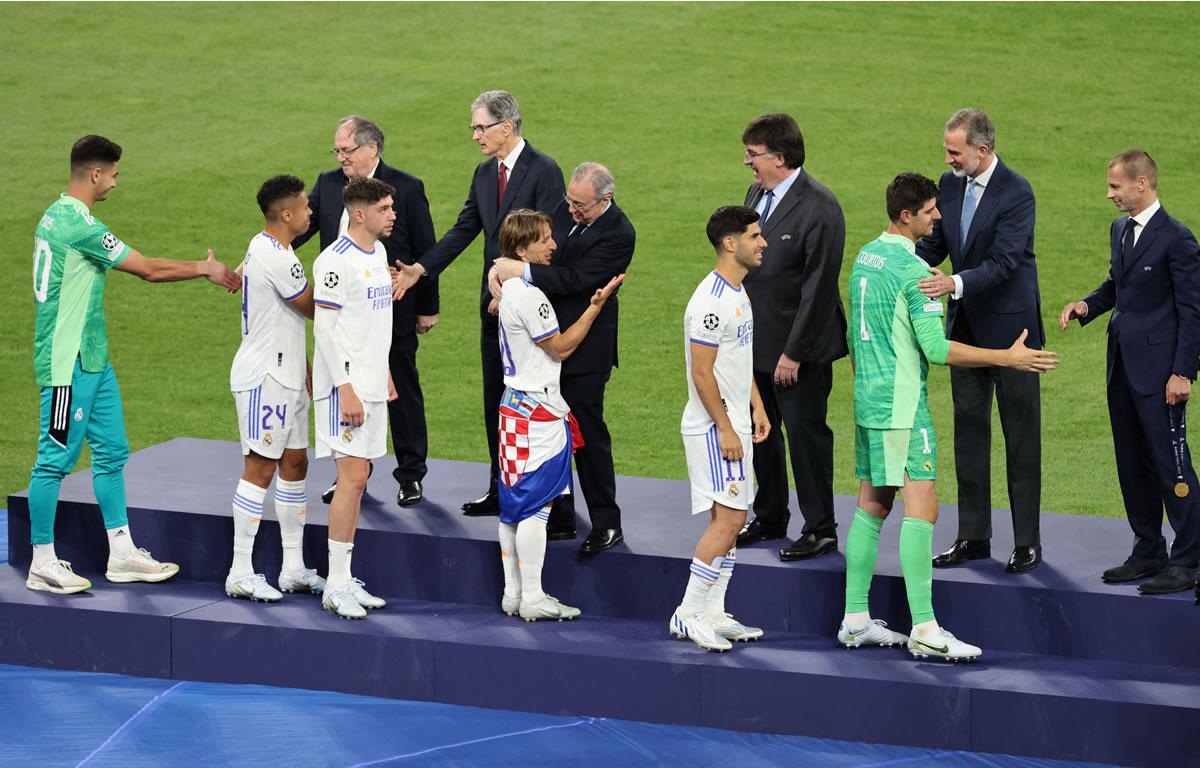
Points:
[(958, 287), (528, 274)]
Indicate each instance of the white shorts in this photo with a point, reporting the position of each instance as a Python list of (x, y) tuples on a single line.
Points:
[(336, 439), (728, 483), (272, 417)]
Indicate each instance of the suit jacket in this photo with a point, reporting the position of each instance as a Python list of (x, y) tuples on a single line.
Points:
[(580, 265), (412, 234), (1155, 298), (996, 263), (797, 307), (535, 182)]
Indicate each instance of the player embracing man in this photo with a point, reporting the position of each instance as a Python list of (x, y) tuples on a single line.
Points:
[(894, 332), (722, 420)]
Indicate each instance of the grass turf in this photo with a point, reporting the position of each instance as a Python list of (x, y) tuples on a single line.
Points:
[(210, 99)]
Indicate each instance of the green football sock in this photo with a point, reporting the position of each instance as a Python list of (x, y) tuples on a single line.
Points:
[(916, 562), (862, 546)]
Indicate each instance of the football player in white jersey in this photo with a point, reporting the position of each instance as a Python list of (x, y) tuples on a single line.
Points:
[(723, 418), (270, 384), (352, 384), (537, 431)]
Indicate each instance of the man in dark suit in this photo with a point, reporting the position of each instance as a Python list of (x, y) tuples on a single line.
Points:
[(514, 176), (799, 330), (595, 244), (1153, 289), (987, 231), (358, 146)]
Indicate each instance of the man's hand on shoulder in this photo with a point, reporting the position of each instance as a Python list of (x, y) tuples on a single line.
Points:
[(938, 284), (506, 269)]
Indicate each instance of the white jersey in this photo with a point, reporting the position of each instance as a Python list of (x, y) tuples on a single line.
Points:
[(526, 318), (273, 337), (718, 315), (352, 345)]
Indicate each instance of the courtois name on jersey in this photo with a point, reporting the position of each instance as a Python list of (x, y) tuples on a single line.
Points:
[(273, 339), (527, 317), (719, 316), (356, 286)]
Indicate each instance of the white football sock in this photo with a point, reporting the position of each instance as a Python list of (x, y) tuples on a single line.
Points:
[(531, 554), (120, 542), (857, 620), (291, 508), (508, 558), (925, 628), (699, 583), (247, 512), (339, 563), (43, 554), (714, 602)]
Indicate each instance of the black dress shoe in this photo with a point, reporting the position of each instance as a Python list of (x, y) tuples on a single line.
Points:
[(756, 530), (410, 493), (807, 546), (1174, 578), (327, 496), (1025, 559), (487, 504), (559, 534), (962, 551), (601, 539), (1134, 569)]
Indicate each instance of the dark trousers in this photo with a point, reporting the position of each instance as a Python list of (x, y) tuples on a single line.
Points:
[(594, 462), (406, 414), (800, 410), (1146, 470), (493, 389), (1018, 396)]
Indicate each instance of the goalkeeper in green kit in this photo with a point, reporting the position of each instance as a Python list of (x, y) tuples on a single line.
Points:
[(894, 332), (72, 254)]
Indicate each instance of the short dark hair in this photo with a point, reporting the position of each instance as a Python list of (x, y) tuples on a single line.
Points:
[(275, 189), (520, 229), (779, 133), (366, 191), (729, 220), (1137, 162), (909, 192), (93, 150)]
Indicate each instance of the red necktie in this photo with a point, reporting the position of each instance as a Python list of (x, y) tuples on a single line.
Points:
[(503, 183)]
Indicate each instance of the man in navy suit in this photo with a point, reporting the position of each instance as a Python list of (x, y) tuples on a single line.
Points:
[(595, 244), (514, 176), (358, 146), (987, 231), (1153, 290)]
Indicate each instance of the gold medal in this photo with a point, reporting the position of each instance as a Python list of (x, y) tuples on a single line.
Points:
[(1181, 490)]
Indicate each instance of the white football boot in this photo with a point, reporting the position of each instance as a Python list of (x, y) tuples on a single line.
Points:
[(697, 629), (365, 598), (56, 576), (253, 587), (510, 605), (942, 645), (341, 600), (731, 629), (875, 633), (302, 580), (139, 566), (547, 608)]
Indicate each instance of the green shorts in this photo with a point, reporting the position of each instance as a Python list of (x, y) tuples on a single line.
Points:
[(883, 456)]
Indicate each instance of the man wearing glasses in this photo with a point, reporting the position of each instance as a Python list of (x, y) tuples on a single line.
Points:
[(358, 145), (596, 243), (514, 176)]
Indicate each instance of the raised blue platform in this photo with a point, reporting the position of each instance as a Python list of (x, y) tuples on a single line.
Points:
[(1073, 668)]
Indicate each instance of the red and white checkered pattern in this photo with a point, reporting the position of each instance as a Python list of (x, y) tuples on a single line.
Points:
[(514, 446)]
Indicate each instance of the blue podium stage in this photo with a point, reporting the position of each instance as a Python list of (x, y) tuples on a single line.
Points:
[(1072, 668)]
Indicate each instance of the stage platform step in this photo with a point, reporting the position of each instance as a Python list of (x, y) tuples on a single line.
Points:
[(1045, 706), (179, 498)]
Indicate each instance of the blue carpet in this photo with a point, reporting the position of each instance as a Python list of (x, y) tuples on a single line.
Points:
[(3, 535)]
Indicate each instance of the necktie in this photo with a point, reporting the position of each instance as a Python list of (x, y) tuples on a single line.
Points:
[(501, 185), (770, 197), (577, 230), (970, 200), (1127, 243)]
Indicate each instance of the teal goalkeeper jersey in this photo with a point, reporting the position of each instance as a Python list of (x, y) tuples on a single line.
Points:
[(887, 312), (72, 253)]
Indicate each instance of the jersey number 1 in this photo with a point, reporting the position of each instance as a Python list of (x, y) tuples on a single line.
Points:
[(42, 257)]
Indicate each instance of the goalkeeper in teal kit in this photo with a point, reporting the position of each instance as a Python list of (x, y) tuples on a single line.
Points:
[(894, 332), (73, 252)]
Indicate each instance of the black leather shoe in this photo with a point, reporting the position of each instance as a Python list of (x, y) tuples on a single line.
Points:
[(807, 546), (559, 534), (1198, 593), (1174, 578), (1134, 569), (756, 530), (327, 496), (962, 551), (410, 493), (487, 504), (601, 539), (1025, 559)]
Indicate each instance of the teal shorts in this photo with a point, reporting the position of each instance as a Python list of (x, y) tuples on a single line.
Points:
[(884, 456), (88, 409)]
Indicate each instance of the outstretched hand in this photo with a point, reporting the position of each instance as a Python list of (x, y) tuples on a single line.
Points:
[(1076, 309), (601, 295), (1032, 360), (219, 274), (404, 276)]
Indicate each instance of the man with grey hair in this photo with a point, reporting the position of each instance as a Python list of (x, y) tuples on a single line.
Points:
[(358, 148), (514, 176), (595, 244), (987, 231)]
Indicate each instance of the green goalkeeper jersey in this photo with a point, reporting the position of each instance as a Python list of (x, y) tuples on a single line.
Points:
[(72, 252), (893, 333)]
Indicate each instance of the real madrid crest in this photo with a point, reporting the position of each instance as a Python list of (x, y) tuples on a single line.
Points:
[(266, 438), (733, 490), (347, 435)]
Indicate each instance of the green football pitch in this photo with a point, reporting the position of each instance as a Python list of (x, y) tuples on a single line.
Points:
[(210, 99)]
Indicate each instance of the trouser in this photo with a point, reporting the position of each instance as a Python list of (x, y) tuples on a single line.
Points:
[(406, 414), (594, 461), (493, 389)]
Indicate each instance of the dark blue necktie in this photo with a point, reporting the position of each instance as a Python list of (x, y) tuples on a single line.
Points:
[(1127, 241), (767, 208)]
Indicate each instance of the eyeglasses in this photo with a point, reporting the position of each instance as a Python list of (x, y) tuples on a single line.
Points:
[(339, 152), (575, 205), (750, 155), (481, 128)]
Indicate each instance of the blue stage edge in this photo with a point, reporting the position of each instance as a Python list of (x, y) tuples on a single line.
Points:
[(1072, 669)]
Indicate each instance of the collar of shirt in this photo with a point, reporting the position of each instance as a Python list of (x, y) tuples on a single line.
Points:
[(781, 188), (982, 179), (1143, 218), (511, 160), (901, 240), (603, 211)]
